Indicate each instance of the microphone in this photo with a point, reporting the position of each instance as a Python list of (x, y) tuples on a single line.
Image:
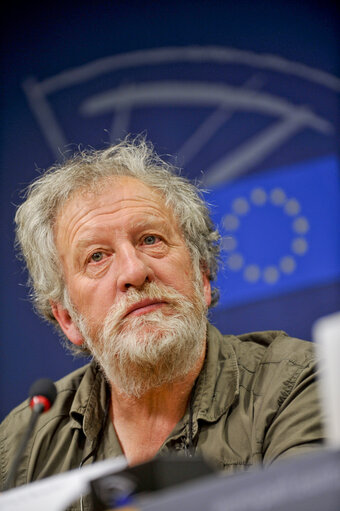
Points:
[(42, 395)]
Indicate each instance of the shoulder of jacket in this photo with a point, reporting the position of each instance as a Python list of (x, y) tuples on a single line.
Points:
[(254, 349), (276, 362), (276, 344), (14, 426), (65, 386)]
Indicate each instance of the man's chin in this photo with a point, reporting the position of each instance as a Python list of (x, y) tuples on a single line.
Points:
[(145, 334), (153, 322)]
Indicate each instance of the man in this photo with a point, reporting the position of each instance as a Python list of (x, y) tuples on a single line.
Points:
[(122, 254)]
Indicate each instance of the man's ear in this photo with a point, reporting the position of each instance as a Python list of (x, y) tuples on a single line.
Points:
[(66, 323), (206, 288)]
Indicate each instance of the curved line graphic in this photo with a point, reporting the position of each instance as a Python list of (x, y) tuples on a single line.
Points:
[(293, 118), (253, 150), (220, 55), (202, 94)]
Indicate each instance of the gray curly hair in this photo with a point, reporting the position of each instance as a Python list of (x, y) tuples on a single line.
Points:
[(35, 218)]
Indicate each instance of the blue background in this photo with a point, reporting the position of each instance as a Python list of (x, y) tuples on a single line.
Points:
[(244, 96)]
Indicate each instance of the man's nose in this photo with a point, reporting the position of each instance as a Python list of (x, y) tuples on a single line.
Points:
[(133, 269)]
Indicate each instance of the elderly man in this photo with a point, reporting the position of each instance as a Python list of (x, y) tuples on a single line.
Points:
[(122, 253)]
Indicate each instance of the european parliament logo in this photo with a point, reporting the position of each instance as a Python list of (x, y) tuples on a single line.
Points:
[(231, 117), (223, 111)]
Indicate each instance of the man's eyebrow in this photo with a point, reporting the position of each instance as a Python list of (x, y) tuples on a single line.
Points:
[(149, 223), (85, 242)]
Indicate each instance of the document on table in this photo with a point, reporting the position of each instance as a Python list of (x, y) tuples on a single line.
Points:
[(57, 492)]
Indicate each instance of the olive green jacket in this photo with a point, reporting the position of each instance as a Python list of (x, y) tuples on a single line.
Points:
[(254, 401)]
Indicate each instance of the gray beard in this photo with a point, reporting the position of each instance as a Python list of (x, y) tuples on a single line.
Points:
[(140, 353)]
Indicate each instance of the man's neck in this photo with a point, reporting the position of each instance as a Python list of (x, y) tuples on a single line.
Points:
[(143, 424)]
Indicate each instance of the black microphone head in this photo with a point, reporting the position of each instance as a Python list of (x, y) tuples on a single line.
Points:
[(44, 387)]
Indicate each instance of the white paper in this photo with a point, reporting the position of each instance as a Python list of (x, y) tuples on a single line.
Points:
[(326, 334), (57, 492)]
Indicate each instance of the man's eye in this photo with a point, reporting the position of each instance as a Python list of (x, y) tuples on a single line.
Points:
[(150, 240), (97, 256)]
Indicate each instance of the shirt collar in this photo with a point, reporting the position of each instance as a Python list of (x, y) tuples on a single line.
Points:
[(89, 403), (217, 385)]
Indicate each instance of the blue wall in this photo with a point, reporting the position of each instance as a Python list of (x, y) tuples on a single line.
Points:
[(244, 95)]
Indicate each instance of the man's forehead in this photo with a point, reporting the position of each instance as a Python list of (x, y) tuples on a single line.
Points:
[(116, 184), (121, 192)]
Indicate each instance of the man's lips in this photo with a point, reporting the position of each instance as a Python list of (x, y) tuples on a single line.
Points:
[(144, 306)]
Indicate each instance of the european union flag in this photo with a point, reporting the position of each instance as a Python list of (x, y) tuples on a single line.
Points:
[(280, 231)]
